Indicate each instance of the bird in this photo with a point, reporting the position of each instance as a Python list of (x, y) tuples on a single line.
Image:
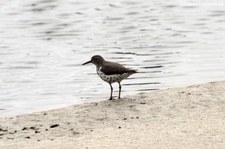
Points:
[(110, 72)]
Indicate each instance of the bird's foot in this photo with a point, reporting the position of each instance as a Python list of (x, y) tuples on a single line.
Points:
[(111, 98)]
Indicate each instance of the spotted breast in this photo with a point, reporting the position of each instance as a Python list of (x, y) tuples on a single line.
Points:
[(111, 78)]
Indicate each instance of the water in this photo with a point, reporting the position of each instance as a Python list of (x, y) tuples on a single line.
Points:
[(44, 42)]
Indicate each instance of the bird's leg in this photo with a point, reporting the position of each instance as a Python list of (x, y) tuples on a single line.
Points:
[(111, 91), (119, 90)]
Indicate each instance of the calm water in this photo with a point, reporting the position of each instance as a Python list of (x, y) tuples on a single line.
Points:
[(44, 42)]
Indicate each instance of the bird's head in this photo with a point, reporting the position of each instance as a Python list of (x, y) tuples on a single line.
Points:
[(97, 60)]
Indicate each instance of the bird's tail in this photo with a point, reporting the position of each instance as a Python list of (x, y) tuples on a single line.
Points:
[(133, 71)]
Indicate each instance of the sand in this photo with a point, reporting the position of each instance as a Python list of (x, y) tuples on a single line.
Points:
[(189, 117)]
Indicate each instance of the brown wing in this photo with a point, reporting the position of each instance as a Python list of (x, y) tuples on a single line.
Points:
[(111, 68)]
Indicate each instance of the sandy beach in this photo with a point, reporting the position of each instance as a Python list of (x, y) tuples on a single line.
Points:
[(187, 117)]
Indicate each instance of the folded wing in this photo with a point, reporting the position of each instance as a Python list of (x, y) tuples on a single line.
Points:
[(111, 68)]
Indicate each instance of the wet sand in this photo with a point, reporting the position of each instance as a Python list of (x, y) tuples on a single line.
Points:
[(188, 117)]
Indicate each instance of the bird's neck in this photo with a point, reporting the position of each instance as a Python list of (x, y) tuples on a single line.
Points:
[(98, 67)]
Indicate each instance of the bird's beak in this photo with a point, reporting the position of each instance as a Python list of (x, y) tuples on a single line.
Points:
[(86, 62)]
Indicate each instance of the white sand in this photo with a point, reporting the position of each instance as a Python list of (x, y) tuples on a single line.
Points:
[(190, 117)]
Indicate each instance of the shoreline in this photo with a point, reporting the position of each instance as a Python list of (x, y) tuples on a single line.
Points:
[(185, 117)]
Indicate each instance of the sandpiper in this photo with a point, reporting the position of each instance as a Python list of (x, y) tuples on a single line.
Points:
[(110, 72)]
